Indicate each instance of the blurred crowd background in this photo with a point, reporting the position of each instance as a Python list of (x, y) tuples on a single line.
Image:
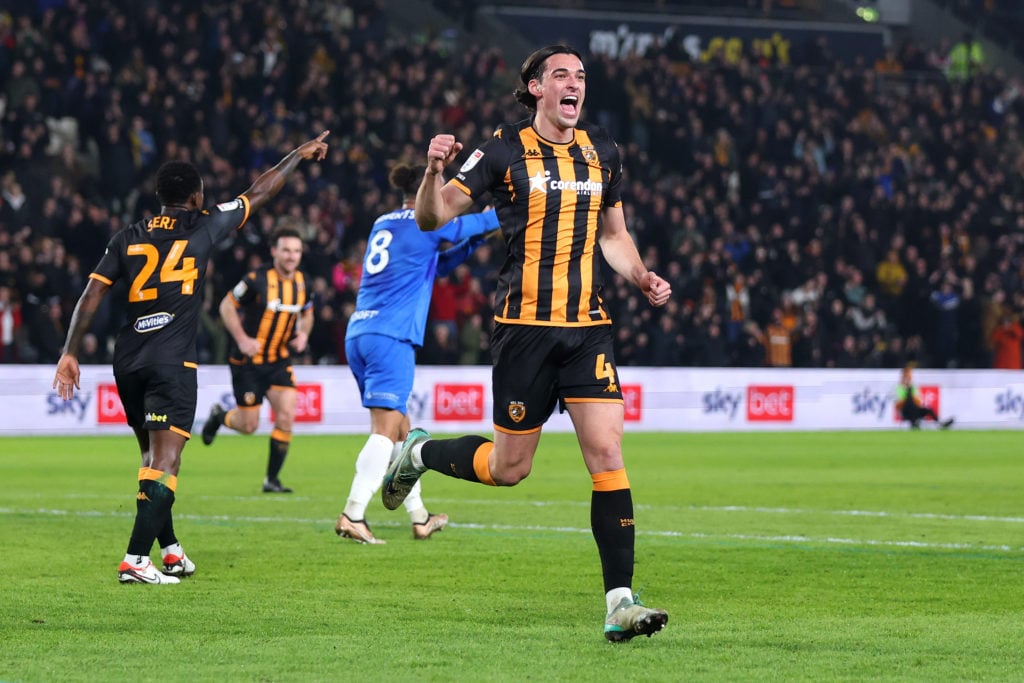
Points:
[(808, 212)]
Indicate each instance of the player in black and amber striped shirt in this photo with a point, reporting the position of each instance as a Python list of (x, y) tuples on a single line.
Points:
[(163, 261), (266, 313), (554, 182), (549, 197)]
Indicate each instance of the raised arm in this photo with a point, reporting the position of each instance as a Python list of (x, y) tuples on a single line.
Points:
[(621, 253), (436, 202), (271, 182)]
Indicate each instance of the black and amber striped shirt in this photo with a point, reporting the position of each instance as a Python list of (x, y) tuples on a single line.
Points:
[(270, 307), (549, 198), (163, 260)]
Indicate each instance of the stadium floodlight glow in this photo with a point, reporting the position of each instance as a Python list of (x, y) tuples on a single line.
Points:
[(868, 13)]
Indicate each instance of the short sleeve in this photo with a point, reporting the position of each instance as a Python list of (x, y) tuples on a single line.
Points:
[(485, 167)]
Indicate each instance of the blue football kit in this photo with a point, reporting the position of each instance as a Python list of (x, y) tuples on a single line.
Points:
[(388, 325)]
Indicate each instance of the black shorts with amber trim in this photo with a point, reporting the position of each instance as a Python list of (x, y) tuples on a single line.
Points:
[(537, 366), (250, 381), (159, 397)]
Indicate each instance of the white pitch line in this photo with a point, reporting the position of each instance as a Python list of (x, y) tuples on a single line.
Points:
[(749, 509), (861, 513), (581, 503), (557, 529)]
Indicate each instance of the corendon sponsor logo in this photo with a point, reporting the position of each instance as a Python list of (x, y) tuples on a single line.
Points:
[(108, 405), (633, 400), (929, 397), (458, 402), (309, 406), (769, 403)]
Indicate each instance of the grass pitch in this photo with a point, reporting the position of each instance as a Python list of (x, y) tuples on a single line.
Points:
[(779, 557)]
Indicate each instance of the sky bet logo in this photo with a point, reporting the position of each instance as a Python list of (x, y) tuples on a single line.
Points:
[(1010, 403), (719, 402), (76, 407), (870, 402), (458, 402), (109, 409), (770, 403), (633, 402)]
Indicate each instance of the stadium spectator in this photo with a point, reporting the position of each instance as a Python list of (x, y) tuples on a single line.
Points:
[(965, 59), (10, 326), (385, 332), (1006, 343), (810, 162), (547, 335), (777, 339), (155, 357)]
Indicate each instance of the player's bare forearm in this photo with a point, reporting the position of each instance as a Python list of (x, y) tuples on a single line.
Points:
[(67, 377), (621, 253), (304, 328), (81, 318), (271, 182), (232, 321), (429, 202), (436, 203)]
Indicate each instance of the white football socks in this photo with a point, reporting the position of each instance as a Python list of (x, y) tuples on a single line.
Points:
[(414, 505), (417, 457), (613, 597), (173, 549), (371, 465)]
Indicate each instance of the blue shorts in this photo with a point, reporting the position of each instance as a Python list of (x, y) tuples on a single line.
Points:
[(383, 368)]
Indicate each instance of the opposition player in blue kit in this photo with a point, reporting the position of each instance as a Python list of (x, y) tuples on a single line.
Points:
[(383, 334), (163, 261)]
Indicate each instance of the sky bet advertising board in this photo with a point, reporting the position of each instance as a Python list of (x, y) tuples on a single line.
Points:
[(456, 399)]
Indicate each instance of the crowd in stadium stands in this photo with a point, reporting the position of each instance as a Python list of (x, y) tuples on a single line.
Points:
[(1002, 21), (750, 8), (806, 212)]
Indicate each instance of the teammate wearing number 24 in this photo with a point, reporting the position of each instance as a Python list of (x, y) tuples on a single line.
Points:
[(383, 334), (163, 260)]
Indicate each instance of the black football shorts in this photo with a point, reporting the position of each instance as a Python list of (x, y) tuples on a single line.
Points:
[(536, 366), (159, 397), (250, 382)]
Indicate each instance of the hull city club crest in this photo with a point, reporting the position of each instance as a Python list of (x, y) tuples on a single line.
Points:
[(516, 411)]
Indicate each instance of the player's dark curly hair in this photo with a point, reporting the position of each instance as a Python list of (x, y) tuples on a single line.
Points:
[(406, 178), (533, 67), (176, 181)]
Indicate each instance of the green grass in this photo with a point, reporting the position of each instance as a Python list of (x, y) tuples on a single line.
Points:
[(780, 557)]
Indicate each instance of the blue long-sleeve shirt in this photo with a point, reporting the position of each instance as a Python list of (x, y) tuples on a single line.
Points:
[(399, 268)]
